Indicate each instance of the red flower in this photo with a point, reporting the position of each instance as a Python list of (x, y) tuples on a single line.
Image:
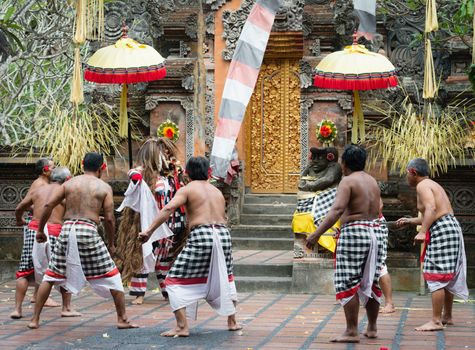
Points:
[(330, 157), (325, 131), (169, 133)]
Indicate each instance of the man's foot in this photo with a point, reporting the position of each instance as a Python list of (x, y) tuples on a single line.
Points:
[(165, 295), (126, 325), (51, 303), (70, 313), (387, 309), (34, 325), (447, 321), (177, 332), (370, 334), (16, 315), (346, 338), (233, 325), (138, 300), (430, 326)]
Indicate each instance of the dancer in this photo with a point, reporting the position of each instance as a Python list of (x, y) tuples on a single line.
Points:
[(359, 251), (444, 259), (80, 255), (204, 268), (384, 277), (157, 166)]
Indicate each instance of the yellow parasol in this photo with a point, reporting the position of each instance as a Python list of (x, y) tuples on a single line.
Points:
[(125, 62), (355, 68)]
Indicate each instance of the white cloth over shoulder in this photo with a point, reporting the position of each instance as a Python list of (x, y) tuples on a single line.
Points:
[(41, 254), (139, 198)]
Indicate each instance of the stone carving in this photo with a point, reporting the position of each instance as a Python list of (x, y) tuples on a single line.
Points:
[(209, 23), (12, 192), (215, 4), (344, 22), (188, 80), (136, 16), (315, 48), (191, 26), (322, 172), (305, 105), (306, 75), (289, 17), (8, 223), (209, 108), (184, 49), (388, 188)]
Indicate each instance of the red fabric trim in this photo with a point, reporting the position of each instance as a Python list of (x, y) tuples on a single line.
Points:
[(426, 243), (367, 225), (138, 284), (187, 281), (438, 277), (354, 82), (71, 222), (54, 229), (123, 76), (24, 274), (54, 274), (111, 273), (34, 225), (376, 290), (347, 293)]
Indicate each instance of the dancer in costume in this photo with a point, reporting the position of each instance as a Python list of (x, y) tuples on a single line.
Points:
[(26, 270), (358, 251), (41, 252), (204, 268), (157, 166), (80, 255), (445, 265)]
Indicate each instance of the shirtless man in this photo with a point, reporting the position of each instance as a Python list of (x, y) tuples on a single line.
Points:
[(25, 274), (85, 196), (444, 255), (357, 205), (37, 200), (187, 279)]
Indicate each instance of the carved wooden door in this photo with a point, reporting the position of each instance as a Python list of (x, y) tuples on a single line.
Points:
[(273, 129)]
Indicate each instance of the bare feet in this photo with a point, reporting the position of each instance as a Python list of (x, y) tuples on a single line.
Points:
[(34, 325), (387, 309), (16, 315), (233, 325), (138, 300), (370, 334), (177, 332), (430, 326), (346, 338), (50, 303), (126, 325), (447, 321), (70, 313)]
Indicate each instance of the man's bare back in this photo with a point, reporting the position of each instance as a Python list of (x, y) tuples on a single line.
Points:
[(364, 197), (85, 196), (39, 199), (204, 203), (429, 188)]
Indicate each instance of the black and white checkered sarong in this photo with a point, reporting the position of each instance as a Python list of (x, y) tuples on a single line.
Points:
[(95, 258), (442, 252), (26, 261), (383, 237), (194, 259), (352, 250), (324, 200)]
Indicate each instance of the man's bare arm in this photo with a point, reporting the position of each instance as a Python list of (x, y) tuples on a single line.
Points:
[(180, 199), (109, 218), (54, 199), (341, 203), (21, 207), (427, 198)]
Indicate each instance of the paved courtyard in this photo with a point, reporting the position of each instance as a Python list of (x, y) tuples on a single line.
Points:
[(271, 321)]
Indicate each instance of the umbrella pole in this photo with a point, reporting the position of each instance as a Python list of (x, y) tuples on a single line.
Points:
[(129, 141)]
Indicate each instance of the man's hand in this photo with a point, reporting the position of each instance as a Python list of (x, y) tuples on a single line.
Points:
[(403, 222), (420, 237), (41, 237), (143, 236), (21, 222), (311, 241)]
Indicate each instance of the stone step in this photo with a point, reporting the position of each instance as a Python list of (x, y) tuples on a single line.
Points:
[(270, 199), (257, 243), (261, 231), (263, 284), (254, 270), (268, 209), (266, 219)]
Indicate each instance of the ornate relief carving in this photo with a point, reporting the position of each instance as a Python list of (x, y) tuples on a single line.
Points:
[(12, 192), (188, 80), (209, 23), (191, 26), (289, 17), (274, 115), (315, 48), (184, 49), (187, 103), (388, 188), (306, 74), (305, 105), (136, 16), (215, 4), (462, 198), (8, 223), (209, 127), (344, 21)]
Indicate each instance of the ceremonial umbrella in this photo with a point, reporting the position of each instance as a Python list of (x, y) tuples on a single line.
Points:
[(125, 62), (355, 68)]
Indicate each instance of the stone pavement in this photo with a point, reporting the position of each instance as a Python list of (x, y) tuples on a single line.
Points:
[(271, 321)]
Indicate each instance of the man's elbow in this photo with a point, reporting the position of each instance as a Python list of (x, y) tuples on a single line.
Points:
[(109, 220)]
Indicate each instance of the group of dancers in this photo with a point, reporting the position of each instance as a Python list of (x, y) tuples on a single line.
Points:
[(173, 223)]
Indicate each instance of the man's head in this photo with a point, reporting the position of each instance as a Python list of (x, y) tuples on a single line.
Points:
[(353, 159), (60, 175), (44, 166), (94, 162), (417, 169), (321, 157), (197, 168)]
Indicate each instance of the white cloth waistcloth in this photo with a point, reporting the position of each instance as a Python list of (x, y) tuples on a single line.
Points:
[(41, 254)]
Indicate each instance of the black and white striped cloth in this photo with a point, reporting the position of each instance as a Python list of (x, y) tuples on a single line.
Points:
[(324, 200), (26, 260)]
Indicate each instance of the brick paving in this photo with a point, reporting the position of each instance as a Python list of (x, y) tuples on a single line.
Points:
[(271, 321), (263, 257)]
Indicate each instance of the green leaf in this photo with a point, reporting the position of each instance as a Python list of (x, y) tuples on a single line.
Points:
[(9, 13)]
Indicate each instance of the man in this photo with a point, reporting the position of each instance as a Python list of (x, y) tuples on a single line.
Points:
[(37, 200), (384, 277), (25, 273), (203, 269), (358, 252), (444, 256), (80, 254)]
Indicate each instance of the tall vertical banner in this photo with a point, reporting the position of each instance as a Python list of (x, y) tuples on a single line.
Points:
[(240, 82), (366, 12)]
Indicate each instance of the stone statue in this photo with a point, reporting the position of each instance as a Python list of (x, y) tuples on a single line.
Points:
[(318, 184), (322, 172)]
